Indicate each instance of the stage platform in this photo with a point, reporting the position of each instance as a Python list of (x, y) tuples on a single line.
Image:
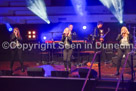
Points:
[(29, 83), (107, 70), (20, 81)]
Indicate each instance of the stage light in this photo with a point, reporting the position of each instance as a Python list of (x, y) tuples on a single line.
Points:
[(79, 6), (29, 32), (29, 36), (34, 32), (116, 7), (10, 29), (34, 36), (121, 22), (84, 27), (38, 7), (44, 37)]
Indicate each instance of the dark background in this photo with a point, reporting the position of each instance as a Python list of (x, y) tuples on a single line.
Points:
[(129, 5)]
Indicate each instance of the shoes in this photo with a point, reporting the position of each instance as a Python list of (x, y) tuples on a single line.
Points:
[(69, 70), (66, 69), (117, 73)]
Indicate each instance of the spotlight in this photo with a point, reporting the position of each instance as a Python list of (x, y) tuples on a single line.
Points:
[(116, 7), (44, 37), (34, 36), (121, 22), (34, 32), (29, 36), (84, 27), (10, 29), (38, 7), (29, 32), (79, 6)]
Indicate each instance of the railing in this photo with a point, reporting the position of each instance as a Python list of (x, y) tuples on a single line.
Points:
[(90, 70), (121, 75)]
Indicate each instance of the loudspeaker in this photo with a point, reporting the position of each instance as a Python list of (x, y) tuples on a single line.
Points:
[(84, 71), (59, 73), (0, 73), (33, 71), (5, 73)]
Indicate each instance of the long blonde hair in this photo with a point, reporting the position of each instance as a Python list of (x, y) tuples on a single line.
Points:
[(67, 31), (125, 28)]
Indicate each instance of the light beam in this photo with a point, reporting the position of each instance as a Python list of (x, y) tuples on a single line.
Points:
[(116, 7), (38, 7)]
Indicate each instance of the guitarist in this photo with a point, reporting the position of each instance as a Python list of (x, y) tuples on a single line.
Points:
[(98, 37), (98, 32)]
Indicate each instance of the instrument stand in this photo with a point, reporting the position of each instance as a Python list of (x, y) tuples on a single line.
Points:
[(51, 51), (51, 61)]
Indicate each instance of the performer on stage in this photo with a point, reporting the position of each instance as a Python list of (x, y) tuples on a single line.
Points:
[(124, 39), (98, 37), (98, 32), (67, 52), (16, 39)]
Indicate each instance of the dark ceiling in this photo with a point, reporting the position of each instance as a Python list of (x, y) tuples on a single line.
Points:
[(129, 5)]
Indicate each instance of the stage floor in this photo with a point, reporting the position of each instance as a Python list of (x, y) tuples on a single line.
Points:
[(107, 70)]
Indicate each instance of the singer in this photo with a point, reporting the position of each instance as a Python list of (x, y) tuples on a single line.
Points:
[(124, 39), (67, 52), (17, 39)]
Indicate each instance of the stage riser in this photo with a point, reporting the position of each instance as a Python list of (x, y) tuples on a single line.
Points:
[(17, 84), (47, 84), (103, 85)]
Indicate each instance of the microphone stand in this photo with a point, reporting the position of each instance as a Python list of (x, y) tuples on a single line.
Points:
[(52, 61)]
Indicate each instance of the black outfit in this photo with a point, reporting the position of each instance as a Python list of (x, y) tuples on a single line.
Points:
[(96, 33), (16, 51), (96, 38), (123, 50), (67, 52)]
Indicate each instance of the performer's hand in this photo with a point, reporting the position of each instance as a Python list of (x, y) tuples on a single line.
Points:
[(123, 32)]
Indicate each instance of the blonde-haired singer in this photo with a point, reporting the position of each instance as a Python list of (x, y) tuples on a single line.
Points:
[(124, 39), (67, 52)]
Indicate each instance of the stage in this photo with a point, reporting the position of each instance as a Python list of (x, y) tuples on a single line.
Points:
[(28, 83), (67, 45), (107, 70), (20, 81)]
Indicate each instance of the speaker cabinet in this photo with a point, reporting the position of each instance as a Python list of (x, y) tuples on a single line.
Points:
[(59, 73), (33, 71), (84, 71), (5, 73)]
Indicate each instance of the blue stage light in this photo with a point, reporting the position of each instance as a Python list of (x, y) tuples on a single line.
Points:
[(44, 37), (84, 27), (38, 7), (121, 22), (79, 6), (10, 29), (116, 7)]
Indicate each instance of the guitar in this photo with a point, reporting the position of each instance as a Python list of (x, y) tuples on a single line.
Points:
[(103, 36)]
